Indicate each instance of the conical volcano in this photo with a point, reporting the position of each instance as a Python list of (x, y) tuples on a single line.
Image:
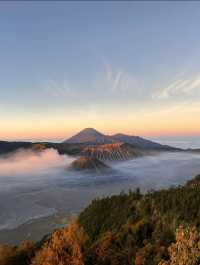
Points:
[(89, 164), (89, 135)]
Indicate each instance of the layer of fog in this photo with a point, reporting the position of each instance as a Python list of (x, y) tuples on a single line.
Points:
[(179, 142), (34, 184)]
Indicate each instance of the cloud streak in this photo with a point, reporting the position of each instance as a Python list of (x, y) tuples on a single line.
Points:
[(58, 90), (118, 80), (110, 86), (180, 87)]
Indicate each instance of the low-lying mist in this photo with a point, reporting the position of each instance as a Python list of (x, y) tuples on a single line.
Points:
[(29, 162), (38, 184)]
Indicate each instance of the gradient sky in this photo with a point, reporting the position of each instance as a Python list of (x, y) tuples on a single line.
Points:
[(130, 67)]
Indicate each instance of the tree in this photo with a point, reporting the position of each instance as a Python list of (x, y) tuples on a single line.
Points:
[(64, 248), (107, 251), (11, 255), (186, 250)]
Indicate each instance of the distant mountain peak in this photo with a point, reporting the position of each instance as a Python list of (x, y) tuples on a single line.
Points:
[(89, 135), (90, 131)]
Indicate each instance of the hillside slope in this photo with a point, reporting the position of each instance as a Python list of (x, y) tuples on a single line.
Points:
[(124, 229), (140, 142), (138, 229), (85, 163)]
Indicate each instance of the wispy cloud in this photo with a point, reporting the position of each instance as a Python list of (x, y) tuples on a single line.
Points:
[(180, 87), (111, 87), (58, 89), (118, 80)]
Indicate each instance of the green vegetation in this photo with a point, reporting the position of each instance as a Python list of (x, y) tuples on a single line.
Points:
[(157, 228)]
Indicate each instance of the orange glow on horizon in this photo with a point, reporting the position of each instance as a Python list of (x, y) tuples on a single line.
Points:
[(62, 135), (178, 120)]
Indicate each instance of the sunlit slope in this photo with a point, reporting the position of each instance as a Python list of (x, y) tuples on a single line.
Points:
[(112, 152)]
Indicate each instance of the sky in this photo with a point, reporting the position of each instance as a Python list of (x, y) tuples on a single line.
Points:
[(131, 67)]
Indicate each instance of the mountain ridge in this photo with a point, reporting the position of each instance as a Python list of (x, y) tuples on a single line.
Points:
[(92, 136), (112, 152)]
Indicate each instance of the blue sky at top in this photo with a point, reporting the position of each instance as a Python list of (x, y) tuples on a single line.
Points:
[(65, 57)]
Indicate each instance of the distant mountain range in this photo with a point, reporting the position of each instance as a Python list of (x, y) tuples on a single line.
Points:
[(89, 142), (7, 147), (92, 136)]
